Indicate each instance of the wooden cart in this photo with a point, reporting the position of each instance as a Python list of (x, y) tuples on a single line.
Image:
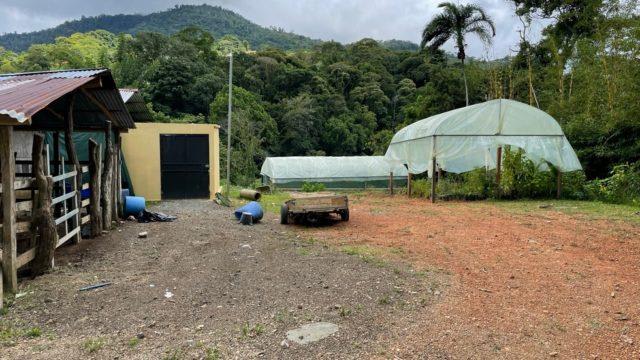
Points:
[(314, 208)]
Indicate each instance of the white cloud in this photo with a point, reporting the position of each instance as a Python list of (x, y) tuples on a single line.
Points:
[(342, 20)]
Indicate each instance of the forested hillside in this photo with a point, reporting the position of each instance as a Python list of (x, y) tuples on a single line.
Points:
[(214, 19), (336, 99)]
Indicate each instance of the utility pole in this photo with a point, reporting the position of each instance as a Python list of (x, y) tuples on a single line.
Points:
[(229, 125)]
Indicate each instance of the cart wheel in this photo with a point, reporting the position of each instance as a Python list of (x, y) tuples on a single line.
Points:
[(344, 215), (284, 214)]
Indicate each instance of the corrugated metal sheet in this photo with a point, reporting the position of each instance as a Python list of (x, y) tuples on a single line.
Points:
[(25, 94), (136, 105)]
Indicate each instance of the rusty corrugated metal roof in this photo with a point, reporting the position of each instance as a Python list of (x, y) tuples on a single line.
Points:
[(23, 95)]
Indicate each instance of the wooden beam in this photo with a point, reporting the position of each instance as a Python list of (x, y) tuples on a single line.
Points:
[(44, 227), (100, 106), (94, 185), (8, 169), (73, 157)]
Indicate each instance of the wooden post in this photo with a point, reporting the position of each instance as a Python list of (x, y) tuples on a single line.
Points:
[(8, 169), (107, 180), (42, 224), (391, 183), (409, 184), (94, 185), (499, 168), (117, 180), (433, 179), (559, 185), (72, 155)]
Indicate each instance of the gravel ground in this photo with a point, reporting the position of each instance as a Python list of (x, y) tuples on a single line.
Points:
[(236, 291)]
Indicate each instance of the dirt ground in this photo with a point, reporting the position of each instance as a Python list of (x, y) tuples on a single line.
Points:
[(207, 287), (523, 285)]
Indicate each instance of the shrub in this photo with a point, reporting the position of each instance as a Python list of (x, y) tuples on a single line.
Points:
[(312, 187), (623, 186), (421, 188)]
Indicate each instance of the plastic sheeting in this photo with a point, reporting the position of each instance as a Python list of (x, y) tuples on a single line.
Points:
[(328, 168), (468, 138)]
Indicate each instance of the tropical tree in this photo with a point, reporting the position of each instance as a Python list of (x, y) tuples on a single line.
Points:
[(456, 21)]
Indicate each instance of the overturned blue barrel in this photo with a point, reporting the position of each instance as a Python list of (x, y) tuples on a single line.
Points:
[(133, 205), (252, 208)]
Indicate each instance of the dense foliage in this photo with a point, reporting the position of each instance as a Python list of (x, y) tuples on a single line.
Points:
[(214, 19), (335, 99)]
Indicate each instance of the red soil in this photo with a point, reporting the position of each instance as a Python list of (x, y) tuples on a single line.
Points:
[(537, 285)]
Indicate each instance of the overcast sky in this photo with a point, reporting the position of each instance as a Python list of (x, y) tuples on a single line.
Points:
[(341, 20)]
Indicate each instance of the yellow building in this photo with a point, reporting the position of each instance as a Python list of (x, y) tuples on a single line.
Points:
[(173, 161)]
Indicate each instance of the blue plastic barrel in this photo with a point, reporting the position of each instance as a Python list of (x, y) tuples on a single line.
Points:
[(133, 205), (252, 208)]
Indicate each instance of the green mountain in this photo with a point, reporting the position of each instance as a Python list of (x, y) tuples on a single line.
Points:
[(214, 19)]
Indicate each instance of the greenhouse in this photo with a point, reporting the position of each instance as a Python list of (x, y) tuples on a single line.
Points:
[(471, 137), (334, 172)]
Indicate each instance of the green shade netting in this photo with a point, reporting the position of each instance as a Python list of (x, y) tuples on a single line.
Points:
[(468, 138)]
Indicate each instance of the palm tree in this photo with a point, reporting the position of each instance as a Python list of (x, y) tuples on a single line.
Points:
[(456, 21)]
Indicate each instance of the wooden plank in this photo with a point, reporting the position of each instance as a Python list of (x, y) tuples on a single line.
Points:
[(65, 176), (64, 197), (26, 257), (66, 216), (86, 202), (8, 166), (24, 205), (85, 186), (85, 169), (20, 184), (86, 219), (66, 238), (21, 227)]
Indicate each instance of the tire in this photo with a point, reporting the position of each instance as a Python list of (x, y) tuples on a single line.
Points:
[(344, 215), (284, 214)]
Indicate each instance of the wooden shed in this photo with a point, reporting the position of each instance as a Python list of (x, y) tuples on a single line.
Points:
[(46, 197)]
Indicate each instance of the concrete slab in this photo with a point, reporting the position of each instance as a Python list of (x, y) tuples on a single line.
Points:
[(309, 333)]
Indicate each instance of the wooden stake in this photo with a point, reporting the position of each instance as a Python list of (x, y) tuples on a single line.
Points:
[(94, 185), (409, 184), (559, 185), (107, 180), (433, 179), (42, 223), (391, 183), (8, 168), (117, 180), (499, 168)]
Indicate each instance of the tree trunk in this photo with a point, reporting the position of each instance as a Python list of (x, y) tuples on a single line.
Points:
[(466, 88), (43, 224), (94, 185), (107, 181)]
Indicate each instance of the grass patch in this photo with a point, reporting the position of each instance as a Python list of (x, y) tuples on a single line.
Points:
[(591, 209), (269, 202), (174, 354), (133, 342), (34, 332), (368, 254), (212, 353), (252, 331), (93, 345)]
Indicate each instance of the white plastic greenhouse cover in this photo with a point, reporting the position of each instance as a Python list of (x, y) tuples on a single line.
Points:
[(330, 168), (468, 138)]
